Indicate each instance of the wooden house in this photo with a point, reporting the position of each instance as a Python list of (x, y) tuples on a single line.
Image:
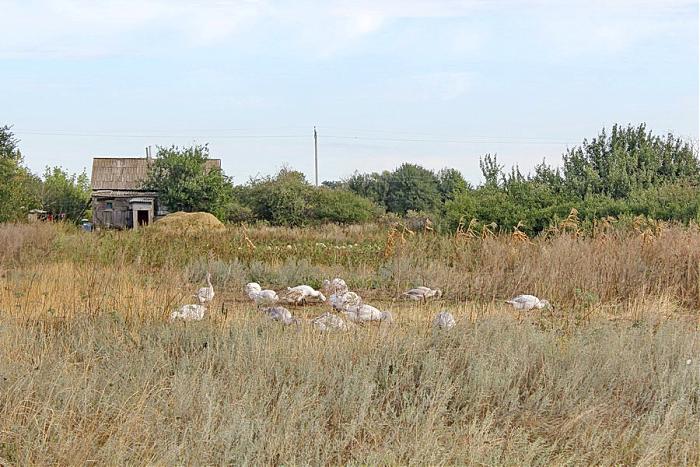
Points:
[(118, 198)]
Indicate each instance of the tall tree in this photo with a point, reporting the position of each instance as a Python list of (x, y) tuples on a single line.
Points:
[(627, 159), (451, 183), (65, 194), (18, 187), (374, 186), (184, 182), (491, 170), (411, 187)]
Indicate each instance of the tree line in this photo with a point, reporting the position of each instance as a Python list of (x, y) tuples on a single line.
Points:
[(57, 192), (624, 171)]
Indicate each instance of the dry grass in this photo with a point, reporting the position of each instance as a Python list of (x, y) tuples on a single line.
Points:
[(90, 372)]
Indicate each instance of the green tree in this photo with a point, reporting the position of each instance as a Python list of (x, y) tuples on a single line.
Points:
[(184, 182), (545, 175), (451, 183), (18, 187), (412, 187), (461, 208), (285, 199), (491, 170), (373, 186), (628, 159), (65, 194)]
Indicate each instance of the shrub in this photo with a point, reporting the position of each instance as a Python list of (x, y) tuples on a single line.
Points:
[(342, 206), (282, 200), (412, 187)]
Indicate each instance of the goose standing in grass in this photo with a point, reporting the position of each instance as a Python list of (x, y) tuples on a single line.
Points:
[(259, 296), (444, 320), (527, 302), (329, 322), (300, 294), (365, 313), (206, 294), (281, 314), (189, 313), (422, 294)]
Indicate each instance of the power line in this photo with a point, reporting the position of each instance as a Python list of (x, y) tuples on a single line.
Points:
[(122, 135), (428, 139), (432, 136), (453, 141)]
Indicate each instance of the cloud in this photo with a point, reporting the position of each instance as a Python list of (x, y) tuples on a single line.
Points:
[(609, 27), (76, 29), (84, 28), (88, 28)]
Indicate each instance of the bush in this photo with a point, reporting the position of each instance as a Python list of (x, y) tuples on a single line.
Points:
[(238, 213), (677, 201), (342, 206), (412, 187), (281, 200)]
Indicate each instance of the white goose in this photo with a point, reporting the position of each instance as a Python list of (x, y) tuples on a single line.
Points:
[(344, 301), (365, 313), (206, 294), (189, 313), (422, 293), (329, 322), (259, 296), (337, 286), (444, 320), (281, 314), (527, 302), (302, 293)]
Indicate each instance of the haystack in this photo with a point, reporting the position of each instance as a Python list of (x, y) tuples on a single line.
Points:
[(188, 222)]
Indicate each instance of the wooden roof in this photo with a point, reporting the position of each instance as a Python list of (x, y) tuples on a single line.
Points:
[(99, 194), (125, 173)]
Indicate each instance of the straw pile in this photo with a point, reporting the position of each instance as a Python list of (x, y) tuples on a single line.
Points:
[(188, 222)]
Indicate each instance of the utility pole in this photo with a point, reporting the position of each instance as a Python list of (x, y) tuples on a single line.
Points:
[(316, 153)]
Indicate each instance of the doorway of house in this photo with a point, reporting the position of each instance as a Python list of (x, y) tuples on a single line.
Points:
[(142, 217)]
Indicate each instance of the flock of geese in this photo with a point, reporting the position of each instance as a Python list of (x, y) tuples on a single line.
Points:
[(348, 307)]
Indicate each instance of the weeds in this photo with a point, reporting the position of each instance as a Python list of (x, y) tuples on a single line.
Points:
[(491, 392), (91, 372)]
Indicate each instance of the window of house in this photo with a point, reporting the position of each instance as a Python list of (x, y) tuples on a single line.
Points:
[(109, 205)]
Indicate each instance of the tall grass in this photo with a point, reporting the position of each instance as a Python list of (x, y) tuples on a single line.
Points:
[(496, 391), (573, 271), (91, 372)]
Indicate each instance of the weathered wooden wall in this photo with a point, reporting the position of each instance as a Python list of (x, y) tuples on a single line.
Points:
[(120, 213)]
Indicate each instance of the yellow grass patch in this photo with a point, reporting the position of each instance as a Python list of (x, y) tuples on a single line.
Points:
[(187, 222)]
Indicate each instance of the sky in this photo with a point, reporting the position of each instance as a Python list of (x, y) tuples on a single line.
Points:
[(437, 83)]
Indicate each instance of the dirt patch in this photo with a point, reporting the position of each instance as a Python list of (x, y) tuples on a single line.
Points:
[(188, 222)]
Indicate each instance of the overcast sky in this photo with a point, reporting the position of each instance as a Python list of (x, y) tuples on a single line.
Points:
[(436, 82)]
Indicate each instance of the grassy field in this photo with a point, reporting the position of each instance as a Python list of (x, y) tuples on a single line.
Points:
[(92, 372)]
